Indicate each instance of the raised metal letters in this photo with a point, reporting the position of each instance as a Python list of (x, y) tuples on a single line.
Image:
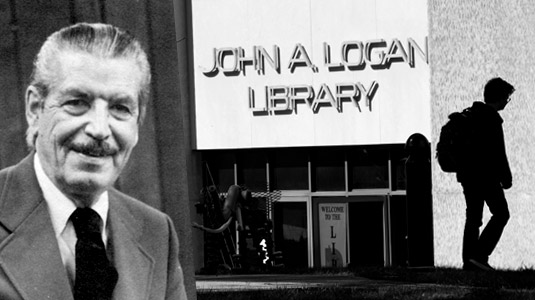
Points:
[(355, 55), (286, 99)]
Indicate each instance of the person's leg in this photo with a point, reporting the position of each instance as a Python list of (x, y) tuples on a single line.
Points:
[(474, 216), (490, 236)]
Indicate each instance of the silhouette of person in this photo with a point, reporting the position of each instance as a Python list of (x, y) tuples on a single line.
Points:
[(485, 175)]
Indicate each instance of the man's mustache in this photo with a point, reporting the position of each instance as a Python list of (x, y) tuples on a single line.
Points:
[(94, 148)]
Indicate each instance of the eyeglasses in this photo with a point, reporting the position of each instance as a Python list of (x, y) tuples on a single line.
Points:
[(509, 96)]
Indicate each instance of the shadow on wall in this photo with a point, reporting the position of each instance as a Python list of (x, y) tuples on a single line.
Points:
[(333, 257)]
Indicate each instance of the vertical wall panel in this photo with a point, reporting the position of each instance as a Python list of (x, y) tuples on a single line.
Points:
[(12, 121), (469, 43), (37, 20), (29, 22), (177, 163), (131, 15), (85, 11)]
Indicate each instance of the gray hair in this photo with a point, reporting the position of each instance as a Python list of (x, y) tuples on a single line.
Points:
[(100, 40)]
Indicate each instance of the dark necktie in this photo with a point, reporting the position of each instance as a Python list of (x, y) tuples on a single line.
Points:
[(95, 276)]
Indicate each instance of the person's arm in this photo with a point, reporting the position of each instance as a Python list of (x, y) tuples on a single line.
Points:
[(506, 178)]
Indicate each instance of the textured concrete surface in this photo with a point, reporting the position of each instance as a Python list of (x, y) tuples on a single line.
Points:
[(469, 43)]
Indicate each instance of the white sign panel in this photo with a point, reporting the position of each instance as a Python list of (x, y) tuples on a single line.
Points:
[(279, 73), (333, 234)]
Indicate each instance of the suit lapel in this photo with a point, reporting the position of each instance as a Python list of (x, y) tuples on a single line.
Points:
[(133, 263), (30, 255)]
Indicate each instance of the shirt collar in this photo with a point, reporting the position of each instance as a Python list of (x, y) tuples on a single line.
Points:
[(60, 207)]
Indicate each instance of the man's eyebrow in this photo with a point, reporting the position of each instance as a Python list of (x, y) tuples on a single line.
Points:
[(75, 92), (123, 98), (78, 92)]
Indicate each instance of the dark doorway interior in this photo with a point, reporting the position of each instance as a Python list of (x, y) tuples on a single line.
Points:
[(291, 233), (366, 234)]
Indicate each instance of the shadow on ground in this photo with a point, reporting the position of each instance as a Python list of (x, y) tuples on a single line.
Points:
[(370, 283)]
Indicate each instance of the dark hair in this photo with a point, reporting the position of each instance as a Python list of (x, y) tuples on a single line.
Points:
[(497, 89)]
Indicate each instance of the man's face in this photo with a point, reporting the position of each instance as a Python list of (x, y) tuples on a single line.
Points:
[(88, 124), (503, 103)]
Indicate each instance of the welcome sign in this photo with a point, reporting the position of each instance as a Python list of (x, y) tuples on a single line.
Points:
[(332, 219), (309, 73)]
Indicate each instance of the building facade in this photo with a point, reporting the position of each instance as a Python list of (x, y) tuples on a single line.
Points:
[(314, 111), (431, 58)]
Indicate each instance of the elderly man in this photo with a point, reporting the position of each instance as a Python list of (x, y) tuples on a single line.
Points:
[(65, 232)]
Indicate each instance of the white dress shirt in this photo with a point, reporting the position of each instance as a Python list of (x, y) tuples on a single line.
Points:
[(60, 208)]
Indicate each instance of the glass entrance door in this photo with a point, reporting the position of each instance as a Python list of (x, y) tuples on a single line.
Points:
[(351, 231), (291, 233)]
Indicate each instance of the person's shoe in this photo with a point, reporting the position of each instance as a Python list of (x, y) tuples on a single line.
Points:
[(481, 265)]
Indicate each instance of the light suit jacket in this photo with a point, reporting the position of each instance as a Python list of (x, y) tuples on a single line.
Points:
[(143, 241)]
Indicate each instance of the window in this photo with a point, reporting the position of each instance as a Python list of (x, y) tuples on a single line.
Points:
[(398, 157), (289, 169), (328, 169), (219, 169), (252, 170), (368, 168), (291, 233)]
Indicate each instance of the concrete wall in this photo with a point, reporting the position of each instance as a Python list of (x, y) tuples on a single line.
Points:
[(469, 43)]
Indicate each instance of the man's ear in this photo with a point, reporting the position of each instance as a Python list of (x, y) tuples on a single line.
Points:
[(34, 105)]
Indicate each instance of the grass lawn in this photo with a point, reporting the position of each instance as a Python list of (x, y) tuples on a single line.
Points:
[(432, 283), (519, 279)]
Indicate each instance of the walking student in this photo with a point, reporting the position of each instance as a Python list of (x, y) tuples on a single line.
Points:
[(485, 175)]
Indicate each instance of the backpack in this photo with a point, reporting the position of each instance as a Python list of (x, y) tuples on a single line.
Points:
[(455, 141)]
